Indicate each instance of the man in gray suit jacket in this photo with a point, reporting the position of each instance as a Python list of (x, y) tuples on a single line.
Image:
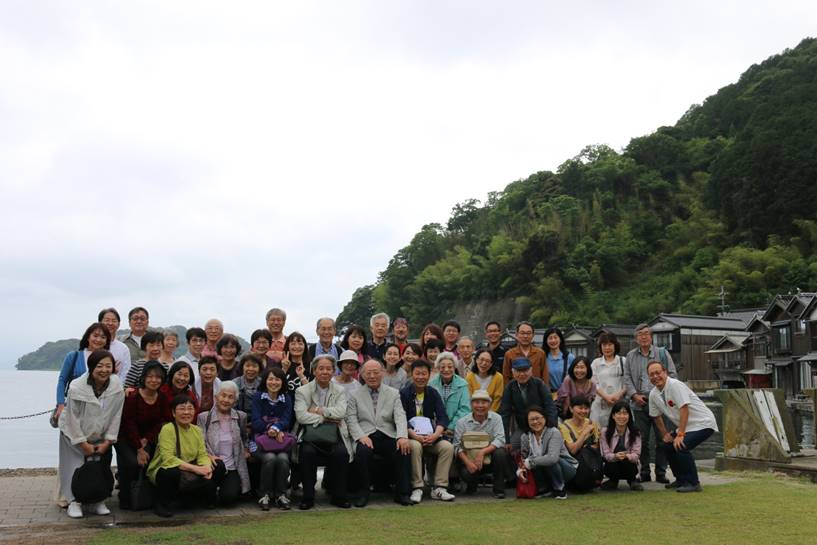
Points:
[(319, 402), (377, 423)]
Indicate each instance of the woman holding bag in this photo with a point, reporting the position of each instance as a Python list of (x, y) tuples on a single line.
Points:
[(272, 419), (89, 425), (181, 463)]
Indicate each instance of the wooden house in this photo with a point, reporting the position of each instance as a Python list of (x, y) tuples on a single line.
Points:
[(792, 341), (688, 337), (580, 342)]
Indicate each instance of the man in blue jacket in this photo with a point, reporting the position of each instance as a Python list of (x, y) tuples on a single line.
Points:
[(425, 436)]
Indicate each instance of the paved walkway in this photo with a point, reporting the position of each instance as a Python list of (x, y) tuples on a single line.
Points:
[(27, 502)]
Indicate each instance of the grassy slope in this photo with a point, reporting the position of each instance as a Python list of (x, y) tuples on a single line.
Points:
[(760, 511)]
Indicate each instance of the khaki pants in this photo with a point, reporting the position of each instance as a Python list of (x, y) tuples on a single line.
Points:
[(444, 452)]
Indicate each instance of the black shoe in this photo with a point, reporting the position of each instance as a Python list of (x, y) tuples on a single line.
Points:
[(635, 486), (470, 489), (403, 499), (343, 504), (560, 494), (362, 501), (610, 484), (499, 495), (645, 478), (306, 504), (162, 510), (661, 479), (689, 488), (673, 484)]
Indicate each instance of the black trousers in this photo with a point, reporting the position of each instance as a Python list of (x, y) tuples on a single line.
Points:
[(228, 483), (499, 461), (336, 461), (385, 447), (168, 482), (128, 468), (621, 470)]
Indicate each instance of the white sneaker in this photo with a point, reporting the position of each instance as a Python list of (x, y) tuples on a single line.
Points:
[(75, 510), (416, 495), (100, 508), (441, 494)]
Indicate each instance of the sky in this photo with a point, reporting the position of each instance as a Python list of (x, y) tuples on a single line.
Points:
[(210, 159)]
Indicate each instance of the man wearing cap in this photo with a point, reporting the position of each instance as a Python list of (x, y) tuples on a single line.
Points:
[(638, 386), (522, 392), (474, 463), (326, 331), (377, 423), (400, 331), (379, 326)]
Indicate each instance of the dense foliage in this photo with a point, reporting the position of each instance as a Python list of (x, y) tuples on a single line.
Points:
[(726, 197)]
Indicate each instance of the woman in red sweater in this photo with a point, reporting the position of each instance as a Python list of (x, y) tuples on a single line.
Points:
[(142, 418)]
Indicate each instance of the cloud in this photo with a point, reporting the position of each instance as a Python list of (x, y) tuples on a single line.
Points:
[(210, 160)]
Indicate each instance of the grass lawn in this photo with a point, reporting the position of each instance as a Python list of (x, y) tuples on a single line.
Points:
[(756, 510)]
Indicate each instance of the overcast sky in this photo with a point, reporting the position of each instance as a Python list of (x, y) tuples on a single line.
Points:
[(216, 159)]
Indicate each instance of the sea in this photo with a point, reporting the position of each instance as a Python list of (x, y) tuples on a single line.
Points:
[(30, 442)]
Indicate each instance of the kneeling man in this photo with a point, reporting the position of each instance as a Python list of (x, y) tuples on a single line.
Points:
[(489, 456)]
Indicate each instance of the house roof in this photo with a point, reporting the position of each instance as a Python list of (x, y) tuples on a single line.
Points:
[(747, 315), (728, 343), (779, 302), (699, 322), (619, 330)]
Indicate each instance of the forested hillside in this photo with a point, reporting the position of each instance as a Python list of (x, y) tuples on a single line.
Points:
[(726, 197)]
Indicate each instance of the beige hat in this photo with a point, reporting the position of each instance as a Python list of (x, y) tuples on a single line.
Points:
[(481, 394)]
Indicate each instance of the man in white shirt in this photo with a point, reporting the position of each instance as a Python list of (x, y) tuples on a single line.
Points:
[(695, 423)]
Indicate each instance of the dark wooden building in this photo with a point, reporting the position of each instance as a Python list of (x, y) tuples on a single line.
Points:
[(579, 341), (792, 341), (688, 337)]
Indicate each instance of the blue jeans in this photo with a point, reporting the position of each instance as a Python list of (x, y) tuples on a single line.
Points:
[(681, 461), (557, 474)]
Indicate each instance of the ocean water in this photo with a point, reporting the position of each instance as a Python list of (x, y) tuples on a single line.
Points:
[(28, 442)]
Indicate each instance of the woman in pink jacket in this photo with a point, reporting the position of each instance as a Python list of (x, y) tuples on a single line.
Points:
[(621, 448)]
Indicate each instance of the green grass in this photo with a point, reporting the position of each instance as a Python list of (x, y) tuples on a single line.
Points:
[(756, 510)]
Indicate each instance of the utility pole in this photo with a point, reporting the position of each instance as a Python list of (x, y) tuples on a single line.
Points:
[(723, 304)]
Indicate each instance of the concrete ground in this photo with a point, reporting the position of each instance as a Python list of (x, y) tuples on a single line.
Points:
[(29, 513)]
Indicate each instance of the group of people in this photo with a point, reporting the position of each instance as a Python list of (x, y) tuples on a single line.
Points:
[(378, 412)]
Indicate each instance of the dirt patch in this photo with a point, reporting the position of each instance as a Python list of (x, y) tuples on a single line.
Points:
[(28, 472)]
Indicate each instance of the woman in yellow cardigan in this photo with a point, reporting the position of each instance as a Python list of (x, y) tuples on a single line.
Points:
[(483, 376), (181, 463)]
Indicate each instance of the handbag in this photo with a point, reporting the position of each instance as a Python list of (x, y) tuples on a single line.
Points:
[(269, 444), (188, 481), (473, 442), (92, 482), (526, 490), (53, 419), (141, 493), (323, 435)]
